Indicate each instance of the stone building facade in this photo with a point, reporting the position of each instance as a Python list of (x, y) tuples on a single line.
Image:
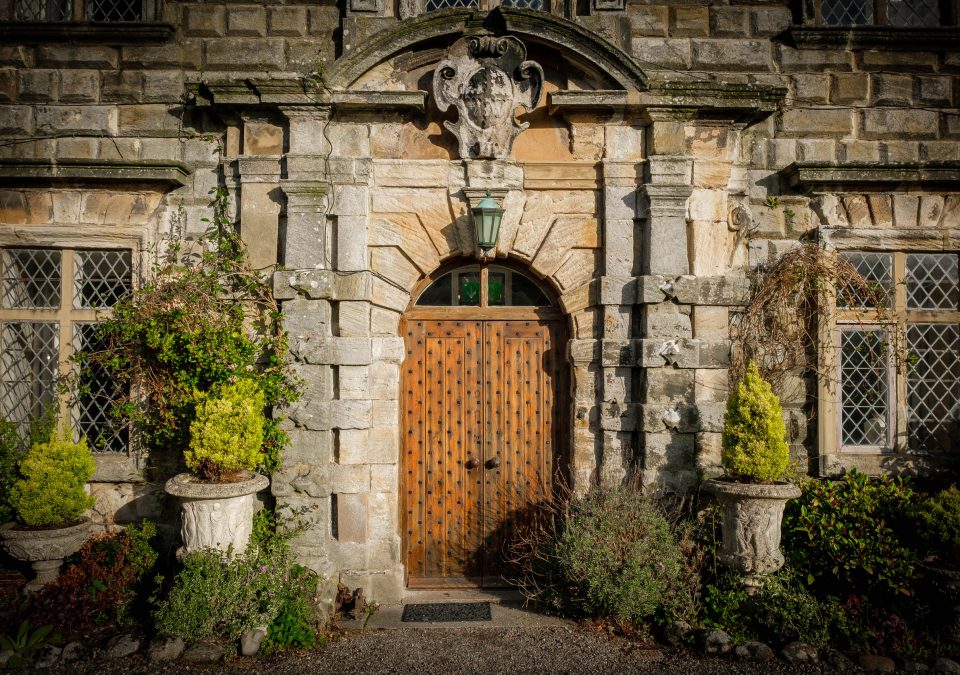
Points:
[(647, 154)]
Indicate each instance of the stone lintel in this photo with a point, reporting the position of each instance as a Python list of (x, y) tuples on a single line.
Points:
[(874, 37), (162, 174), (831, 177), (732, 102), (33, 32), (599, 100)]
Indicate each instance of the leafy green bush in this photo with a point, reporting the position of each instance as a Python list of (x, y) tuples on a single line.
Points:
[(10, 454), (203, 319), (216, 599), (610, 554), (937, 525), (781, 610), (101, 584), (51, 488), (226, 436), (296, 623), (843, 534), (754, 438)]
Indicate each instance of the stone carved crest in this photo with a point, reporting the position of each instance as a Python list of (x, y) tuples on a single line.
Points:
[(486, 78)]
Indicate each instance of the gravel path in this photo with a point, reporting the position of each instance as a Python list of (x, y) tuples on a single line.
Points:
[(465, 650)]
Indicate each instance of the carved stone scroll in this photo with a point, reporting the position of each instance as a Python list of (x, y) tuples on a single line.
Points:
[(486, 78)]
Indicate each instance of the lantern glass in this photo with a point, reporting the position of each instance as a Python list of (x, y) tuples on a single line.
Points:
[(486, 222)]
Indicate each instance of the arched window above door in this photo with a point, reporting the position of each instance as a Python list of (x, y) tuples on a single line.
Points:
[(483, 286)]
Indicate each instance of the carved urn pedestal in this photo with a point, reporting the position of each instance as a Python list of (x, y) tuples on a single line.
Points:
[(44, 549), (751, 515), (215, 515)]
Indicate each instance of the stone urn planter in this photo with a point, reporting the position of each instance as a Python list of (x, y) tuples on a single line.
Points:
[(751, 515), (215, 515), (45, 549)]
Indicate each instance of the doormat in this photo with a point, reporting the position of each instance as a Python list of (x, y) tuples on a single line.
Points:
[(447, 611)]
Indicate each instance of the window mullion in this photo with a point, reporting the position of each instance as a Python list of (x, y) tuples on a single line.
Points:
[(880, 13), (898, 347), (64, 318)]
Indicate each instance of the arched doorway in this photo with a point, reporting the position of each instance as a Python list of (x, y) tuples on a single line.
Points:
[(483, 385)]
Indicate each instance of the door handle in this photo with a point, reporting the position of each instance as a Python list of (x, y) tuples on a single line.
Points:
[(493, 463), (472, 463)]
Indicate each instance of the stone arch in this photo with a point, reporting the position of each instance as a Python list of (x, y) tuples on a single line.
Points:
[(590, 50)]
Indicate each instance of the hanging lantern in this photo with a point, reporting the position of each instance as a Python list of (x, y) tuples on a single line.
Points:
[(487, 215)]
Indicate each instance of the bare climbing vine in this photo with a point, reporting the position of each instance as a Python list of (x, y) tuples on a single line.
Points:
[(791, 296)]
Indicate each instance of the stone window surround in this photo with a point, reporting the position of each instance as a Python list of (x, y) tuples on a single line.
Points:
[(122, 175)]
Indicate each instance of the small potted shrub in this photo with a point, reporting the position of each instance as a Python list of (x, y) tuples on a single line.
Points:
[(937, 526), (48, 500), (754, 456), (217, 497)]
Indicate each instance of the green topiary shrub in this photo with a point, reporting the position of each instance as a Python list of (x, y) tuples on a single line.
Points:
[(610, 554), (754, 438), (51, 488), (10, 453), (937, 525), (226, 437)]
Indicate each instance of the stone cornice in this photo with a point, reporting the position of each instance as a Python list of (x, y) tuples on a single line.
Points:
[(688, 99), (167, 175), (836, 177), (305, 92), (32, 32), (873, 37)]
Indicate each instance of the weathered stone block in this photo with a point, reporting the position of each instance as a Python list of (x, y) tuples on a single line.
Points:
[(333, 350), (890, 89), (858, 151), (351, 240), (936, 89), (122, 86), (243, 53), (353, 382), (770, 20), (889, 59), (711, 385), (384, 478), (38, 86), (662, 53), (204, 20), (351, 517), (711, 322), (899, 123), (76, 119), (77, 56), (290, 21), (689, 21), (161, 85), (384, 321), (667, 385), (246, 20), (149, 120), (353, 319), (815, 121), (728, 21), (735, 55), (848, 88), (813, 60), (809, 88), (384, 381)]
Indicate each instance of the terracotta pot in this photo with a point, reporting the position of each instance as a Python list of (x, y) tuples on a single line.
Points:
[(44, 549), (751, 518), (215, 515)]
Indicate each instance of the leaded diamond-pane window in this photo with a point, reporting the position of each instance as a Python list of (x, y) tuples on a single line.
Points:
[(52, 300), (31, 278), (913, 13), (114, 10), (895, 13), (525, 4), (96, 393), (432, 5), (29, 354), (43, 10), (933, 281), (864, 375), (847, 12), (877, 271), (101, 278), (933, 386)]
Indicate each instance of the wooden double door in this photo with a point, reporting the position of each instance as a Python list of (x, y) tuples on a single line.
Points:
[(482, 445)]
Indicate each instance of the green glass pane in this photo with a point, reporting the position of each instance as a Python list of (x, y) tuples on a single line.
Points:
[(469, 293), (496, 282)]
